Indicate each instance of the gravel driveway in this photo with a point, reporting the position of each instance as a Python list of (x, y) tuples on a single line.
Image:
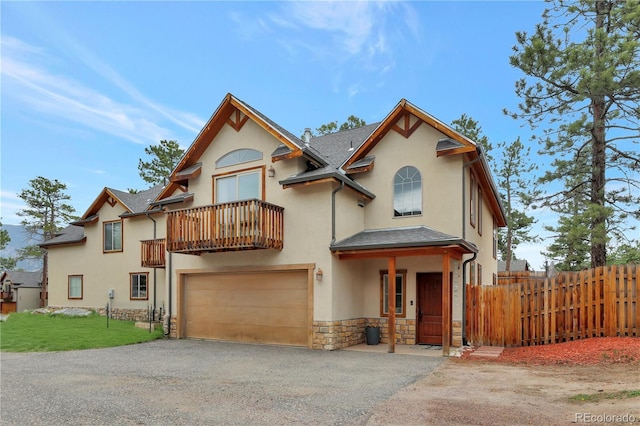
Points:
[(188, 382)]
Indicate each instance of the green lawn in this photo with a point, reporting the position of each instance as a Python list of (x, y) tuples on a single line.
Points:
[(27, 332)]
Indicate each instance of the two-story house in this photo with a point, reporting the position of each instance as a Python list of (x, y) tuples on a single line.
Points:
[(262, 236)]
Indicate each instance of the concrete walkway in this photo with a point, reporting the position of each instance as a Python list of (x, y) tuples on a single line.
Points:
[(417, 350)]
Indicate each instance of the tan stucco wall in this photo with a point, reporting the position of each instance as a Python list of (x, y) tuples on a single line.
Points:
[(349, 288), (103, 271), (307, 214), (441, 182)]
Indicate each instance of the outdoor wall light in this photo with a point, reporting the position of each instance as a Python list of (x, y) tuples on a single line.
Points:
[(272, 171), (319, 275)]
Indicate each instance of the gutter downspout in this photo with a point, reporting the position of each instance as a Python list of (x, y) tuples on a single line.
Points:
[(167, 331), (464, 237), (464, 297), (333, 211)]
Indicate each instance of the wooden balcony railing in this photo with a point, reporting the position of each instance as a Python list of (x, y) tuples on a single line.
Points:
[(152, 255), (239, 225), (7, 296)]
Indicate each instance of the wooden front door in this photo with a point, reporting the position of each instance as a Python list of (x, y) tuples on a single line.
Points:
[(429, 308)]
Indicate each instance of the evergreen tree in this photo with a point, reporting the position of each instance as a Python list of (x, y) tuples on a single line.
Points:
[(165, 157), (471, 129), (582, 84), (571, 246), (47, 210), (5, 262), (625, 253), (352, 122), (517, 191)]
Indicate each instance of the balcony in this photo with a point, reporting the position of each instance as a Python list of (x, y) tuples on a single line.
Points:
[(7, 296), (152, 255), (239, 225)]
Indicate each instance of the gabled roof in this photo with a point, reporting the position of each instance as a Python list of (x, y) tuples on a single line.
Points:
[(23, 279), (517, 265), (230, 111), (134, 203), (405, 109)]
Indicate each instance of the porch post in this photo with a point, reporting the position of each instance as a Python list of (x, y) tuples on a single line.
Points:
[(391, 274), (446, 303)]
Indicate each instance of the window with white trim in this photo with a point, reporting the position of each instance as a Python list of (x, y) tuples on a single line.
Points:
[(139, 285), (407, 192)]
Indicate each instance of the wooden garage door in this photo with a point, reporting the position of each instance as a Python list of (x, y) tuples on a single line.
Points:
[(263, 307)]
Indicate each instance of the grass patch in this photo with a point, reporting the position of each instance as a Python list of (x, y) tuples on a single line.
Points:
[(27, 332), (595, 397)]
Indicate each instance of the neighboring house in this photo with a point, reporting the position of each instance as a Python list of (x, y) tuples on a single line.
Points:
[(20, 291), (517, 265), (261, 236)]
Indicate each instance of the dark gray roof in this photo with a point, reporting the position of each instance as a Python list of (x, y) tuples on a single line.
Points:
[(306, 149), (140, 201), (517, 265), (70, 234), (415, 236), (281, 150), (24, 279), (179, 198), (448, 143), (336, 147), (364, 162), (327, 172), (189, 170)]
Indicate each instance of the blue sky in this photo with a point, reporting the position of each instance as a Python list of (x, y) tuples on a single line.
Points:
[(86, 86)]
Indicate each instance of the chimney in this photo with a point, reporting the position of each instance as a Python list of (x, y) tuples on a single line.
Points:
[(307, 135)]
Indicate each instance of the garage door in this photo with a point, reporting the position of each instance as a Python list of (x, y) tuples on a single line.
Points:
[(262, 307)]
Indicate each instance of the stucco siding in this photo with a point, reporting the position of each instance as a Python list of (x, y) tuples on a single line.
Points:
[(441, 182)]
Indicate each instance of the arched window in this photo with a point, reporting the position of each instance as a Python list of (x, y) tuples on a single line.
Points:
[(238, 156), (407, 192)]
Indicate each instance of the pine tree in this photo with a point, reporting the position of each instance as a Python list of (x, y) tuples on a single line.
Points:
[(582, 85), (47, 210), (165, 156)]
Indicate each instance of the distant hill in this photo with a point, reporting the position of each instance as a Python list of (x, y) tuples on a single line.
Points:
[(20, 238)]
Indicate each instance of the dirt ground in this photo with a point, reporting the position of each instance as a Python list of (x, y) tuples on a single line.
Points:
[(512, 391)]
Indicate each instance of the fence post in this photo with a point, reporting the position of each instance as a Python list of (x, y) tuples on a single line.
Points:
[(609, 301)]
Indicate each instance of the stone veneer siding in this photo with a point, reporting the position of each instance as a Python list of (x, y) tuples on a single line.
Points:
[(116, 313), (332, 335)]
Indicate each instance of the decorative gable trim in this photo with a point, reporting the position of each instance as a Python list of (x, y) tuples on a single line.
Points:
[(403, 111), (237, 120), (407, 128), (108, 197), (235, 113)]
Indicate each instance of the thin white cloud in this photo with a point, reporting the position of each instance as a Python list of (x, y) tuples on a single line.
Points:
[(357, 40), (28, 78)]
